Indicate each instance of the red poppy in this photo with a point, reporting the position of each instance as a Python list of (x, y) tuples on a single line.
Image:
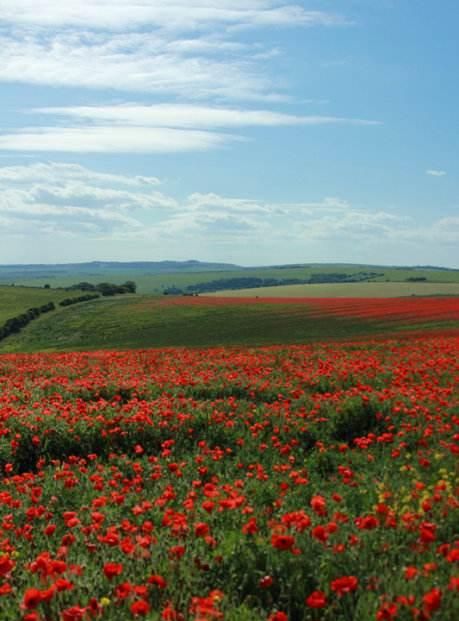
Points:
[(282, 542), (411, 572), (32, 598), (278, 616), (344, 584), (201, 529), (319, 505), (75, 613), (387, 612), (266, 582), (432, 600), (111, 570), (6, 565), (317, 599), (157, 581), (140, 608)]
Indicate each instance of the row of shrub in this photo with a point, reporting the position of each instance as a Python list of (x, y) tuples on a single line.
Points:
[(81, 298), (252, 282), (107, 288), (15, 324)]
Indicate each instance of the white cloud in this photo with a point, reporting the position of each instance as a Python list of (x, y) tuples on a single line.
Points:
[(106, 139), (189, 48), (163, 128), (86, 213), (70, 198), (436, 173), (193, 116), (57, 173), (143, 62), (168, 14)]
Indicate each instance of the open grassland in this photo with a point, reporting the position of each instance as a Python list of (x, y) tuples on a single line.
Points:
[(345, 290), (16, 300), (298, 483), (154, 283), (139, 322)]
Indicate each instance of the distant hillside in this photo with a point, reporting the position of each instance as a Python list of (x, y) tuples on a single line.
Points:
[(158, 277), (102, 267)]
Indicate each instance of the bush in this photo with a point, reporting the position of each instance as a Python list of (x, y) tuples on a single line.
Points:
[(15, 324), (82, 298)]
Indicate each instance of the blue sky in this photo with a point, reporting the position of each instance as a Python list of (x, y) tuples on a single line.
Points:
[(250, 131)]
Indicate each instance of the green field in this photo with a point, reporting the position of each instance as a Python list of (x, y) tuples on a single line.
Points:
[(16, 300), (144, 322), (344, 290), (150, 282)]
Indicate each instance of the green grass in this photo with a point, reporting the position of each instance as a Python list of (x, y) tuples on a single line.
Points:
[(144, 322), (16, 300), (335, 290), (153, 283)]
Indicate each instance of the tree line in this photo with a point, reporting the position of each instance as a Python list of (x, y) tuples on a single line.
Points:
[(252, 282), (15, 324), (106, 288), (80, 298)]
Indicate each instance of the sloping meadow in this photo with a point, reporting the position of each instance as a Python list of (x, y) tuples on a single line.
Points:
[(297, 483)]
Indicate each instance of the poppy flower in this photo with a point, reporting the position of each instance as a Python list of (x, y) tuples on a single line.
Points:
[(345, 584), (317, 599), (282, 542), (32, 598), (6, 565), (319, 505), (140, 608), (432, 600), (111, 570)]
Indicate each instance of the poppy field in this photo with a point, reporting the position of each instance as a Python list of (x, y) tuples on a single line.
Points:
[(175, 321), (292, 483)]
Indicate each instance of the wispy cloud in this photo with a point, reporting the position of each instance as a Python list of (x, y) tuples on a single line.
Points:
[(116, 139), (195, 117), (189, 48), (54, 173), (436, 173), (146, 62), (164, 128), (166, 14)]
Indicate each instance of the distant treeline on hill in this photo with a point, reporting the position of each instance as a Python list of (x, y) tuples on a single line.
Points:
[(106, 288), (252, 282), (15, 324)]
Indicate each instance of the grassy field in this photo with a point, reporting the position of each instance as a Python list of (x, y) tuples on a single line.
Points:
[(16, 300), (345, 290), (154, 283), (144, 322)]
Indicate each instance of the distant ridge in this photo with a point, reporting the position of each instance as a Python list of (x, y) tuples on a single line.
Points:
[(98, 266), (195, 265)]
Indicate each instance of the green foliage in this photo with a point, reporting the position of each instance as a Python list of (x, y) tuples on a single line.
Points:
[(106, 288), (17, 323), (77, 300)]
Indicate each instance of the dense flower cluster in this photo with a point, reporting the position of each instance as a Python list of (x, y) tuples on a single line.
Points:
[(299, 483)]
